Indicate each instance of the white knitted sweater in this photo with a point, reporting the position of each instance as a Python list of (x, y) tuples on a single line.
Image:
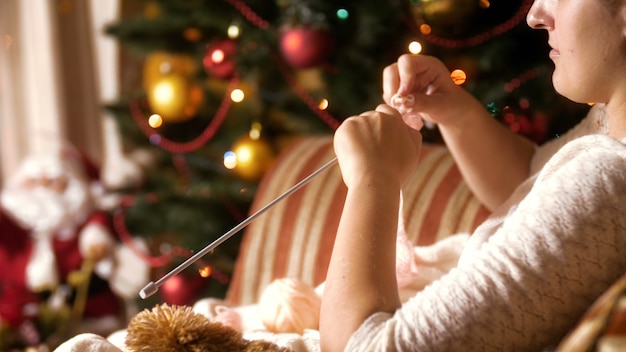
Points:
[(534, 267)]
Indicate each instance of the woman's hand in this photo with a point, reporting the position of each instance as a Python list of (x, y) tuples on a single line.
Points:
[(377, 145), (482, 147), (377, 152), (437, 98)]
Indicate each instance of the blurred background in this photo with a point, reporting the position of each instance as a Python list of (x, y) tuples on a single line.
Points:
[(185, 104)]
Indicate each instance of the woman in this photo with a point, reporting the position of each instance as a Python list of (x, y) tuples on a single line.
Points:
[(557, 237)]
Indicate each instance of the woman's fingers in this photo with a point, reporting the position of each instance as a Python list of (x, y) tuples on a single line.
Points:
[(391, 81), (384, 108)]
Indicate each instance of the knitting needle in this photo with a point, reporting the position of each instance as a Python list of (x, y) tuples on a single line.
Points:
[(153, 287)]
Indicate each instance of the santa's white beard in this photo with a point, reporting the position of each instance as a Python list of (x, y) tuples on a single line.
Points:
[(46, 214), (43, 210)]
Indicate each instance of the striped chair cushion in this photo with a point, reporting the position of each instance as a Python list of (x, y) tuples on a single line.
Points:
[(295, 238)]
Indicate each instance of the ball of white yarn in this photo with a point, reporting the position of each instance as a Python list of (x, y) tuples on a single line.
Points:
[(289, 305)]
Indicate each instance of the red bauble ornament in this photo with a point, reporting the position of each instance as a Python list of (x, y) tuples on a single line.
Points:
[(219, 60), (183, 290), (304, 47)]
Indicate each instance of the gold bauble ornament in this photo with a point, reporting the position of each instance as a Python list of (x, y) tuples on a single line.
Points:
[(445, 13), (175, 98), (160, 64), (254, 157)]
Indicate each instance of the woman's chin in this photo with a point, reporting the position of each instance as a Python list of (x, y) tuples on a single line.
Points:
[(568, 91)]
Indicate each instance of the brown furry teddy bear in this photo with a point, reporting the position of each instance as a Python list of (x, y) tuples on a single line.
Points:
[(178, 328)]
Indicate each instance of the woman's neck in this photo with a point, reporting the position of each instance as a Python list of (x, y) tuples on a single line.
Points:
[(616, 111)]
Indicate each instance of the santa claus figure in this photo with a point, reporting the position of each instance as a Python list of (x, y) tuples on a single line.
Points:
[(54, 242)]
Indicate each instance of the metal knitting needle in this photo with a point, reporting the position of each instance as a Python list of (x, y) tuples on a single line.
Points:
[(153, 287)]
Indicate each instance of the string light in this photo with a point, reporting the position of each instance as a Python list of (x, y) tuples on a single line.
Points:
[(155, 121), (343, 14), (425, 29), (415, 47), (230, 160), (217, 56), (323, 105), (233, 31), (255, 130), (237, 95), (458, 77), (205, 271)]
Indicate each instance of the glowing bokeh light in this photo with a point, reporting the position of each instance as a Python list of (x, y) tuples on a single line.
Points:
[(425, 29), (217, 56), (254, 134), (343, 14), (205, 271), (155, 121), (415, 47), (255, 131), (233, 31), (237, 95), (230, 160), (323, 104), (458, 77)]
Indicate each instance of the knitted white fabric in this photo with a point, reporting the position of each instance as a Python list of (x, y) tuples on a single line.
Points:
[(533, 268), (596, 122)]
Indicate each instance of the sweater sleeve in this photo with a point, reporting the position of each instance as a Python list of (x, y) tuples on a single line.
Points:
[(530, 282)]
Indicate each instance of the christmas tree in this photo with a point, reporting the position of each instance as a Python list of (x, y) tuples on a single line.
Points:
[(225, 85)]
